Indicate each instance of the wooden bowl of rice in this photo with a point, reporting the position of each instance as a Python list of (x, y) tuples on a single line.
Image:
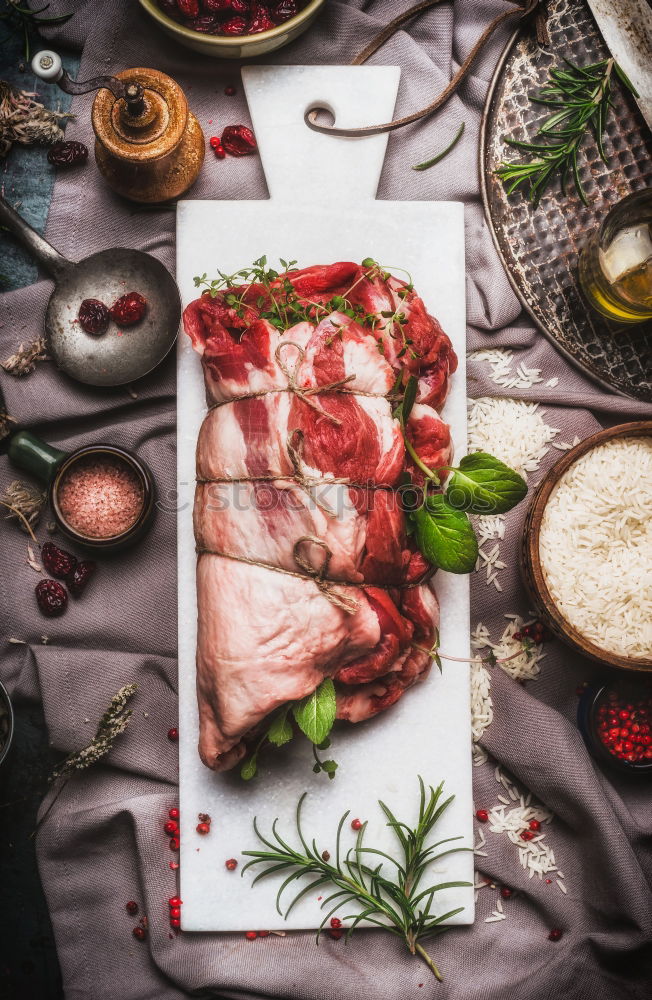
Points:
[(587, 547)]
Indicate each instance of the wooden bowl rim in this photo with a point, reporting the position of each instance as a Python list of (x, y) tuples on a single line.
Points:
[(638, 428)]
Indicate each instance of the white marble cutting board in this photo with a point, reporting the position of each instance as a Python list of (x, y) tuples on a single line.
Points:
[(322, 209)]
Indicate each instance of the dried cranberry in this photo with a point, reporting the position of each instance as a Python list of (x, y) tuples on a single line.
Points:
[(260, 20), (57, 562), (206, 24), (284, 10), (240, 6), (238, 140), (170, 8), (129, 309), (67, 154), (80, 576), (93, 317), (235, 26), (189, 8), (51, 597), (217, 6)]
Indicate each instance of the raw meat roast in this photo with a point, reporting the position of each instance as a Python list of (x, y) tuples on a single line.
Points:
[(298, 461)]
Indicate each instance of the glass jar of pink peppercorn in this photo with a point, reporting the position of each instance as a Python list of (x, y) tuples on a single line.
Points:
[(102, 496), (615, 720)]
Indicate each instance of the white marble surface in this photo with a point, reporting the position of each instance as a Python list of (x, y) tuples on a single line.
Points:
[(322, 209)]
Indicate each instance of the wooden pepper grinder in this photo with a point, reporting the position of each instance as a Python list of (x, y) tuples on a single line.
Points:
[(149, 146)]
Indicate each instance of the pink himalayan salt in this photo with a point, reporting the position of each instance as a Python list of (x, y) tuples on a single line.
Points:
[(100, 497)]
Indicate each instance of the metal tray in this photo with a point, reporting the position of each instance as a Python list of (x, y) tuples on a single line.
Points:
[(539, 247)]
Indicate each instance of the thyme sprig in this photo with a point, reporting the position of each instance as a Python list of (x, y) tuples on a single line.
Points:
[(397, 902), (581, 96), (111, 725)]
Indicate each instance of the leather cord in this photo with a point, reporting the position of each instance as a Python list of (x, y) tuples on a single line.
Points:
[(520, 10)]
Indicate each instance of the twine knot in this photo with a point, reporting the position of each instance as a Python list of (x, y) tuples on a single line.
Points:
[(319, 573)]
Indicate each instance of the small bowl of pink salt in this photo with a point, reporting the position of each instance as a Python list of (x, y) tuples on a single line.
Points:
[(103, 496)]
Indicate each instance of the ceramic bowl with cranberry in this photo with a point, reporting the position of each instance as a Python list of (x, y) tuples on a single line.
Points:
[(233, 29)]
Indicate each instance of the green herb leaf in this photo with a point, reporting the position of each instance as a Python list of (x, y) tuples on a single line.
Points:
[(444, 152), (484, 485), (445, 536), (315, 714), (249, 768), (280, 732)]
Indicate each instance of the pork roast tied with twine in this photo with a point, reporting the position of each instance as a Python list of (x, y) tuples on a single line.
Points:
[(305, 569)]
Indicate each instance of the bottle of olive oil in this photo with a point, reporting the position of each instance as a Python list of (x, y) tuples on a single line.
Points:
[(615, 268)]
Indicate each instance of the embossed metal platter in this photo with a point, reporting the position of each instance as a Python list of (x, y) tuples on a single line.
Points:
[(539, 247)]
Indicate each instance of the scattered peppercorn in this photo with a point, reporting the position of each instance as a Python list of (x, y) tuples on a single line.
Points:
[(175, 912), (140, 933), (175, 923), (251, 935), (555, 934), (174, 813), (231, 864), (174, 843), (326, 855), (171, 828), (335, 933), (356, 824), (336, 922), (534, 824), (173, 735), (506, 892), (482, 815), (527, 835), (230, 91), (175, 901), (131, 907), (203, 828), (220, 153)]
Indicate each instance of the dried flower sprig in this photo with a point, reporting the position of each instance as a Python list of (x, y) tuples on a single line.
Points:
[(24, 503), (25, 121), (5, 424), (111, 725), (23, 362), (396, 902)]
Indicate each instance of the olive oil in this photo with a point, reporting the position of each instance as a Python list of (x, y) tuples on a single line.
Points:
[(615, 268)]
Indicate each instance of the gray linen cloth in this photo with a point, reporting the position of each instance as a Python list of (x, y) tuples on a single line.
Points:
[(102, 842)]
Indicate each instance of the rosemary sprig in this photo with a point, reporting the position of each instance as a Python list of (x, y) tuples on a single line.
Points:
[(440, 156), (581, 96), (395, 902), (23, 20)]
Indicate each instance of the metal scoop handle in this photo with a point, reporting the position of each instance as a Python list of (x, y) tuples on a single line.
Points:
[(45, 254), (47, 66)]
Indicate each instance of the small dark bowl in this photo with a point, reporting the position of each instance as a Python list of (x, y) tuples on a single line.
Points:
[(587, 723), (8, 714), (142, 523)]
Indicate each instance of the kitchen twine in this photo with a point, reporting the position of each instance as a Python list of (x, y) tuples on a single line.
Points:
[(523, 9), (318, 574)]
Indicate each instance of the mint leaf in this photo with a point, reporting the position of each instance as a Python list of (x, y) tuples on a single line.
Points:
[(249, 768), (315, 714), (484, 485), (280, 732), (445, 535)]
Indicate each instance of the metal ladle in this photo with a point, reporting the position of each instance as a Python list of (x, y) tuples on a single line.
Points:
[(116, 357)]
